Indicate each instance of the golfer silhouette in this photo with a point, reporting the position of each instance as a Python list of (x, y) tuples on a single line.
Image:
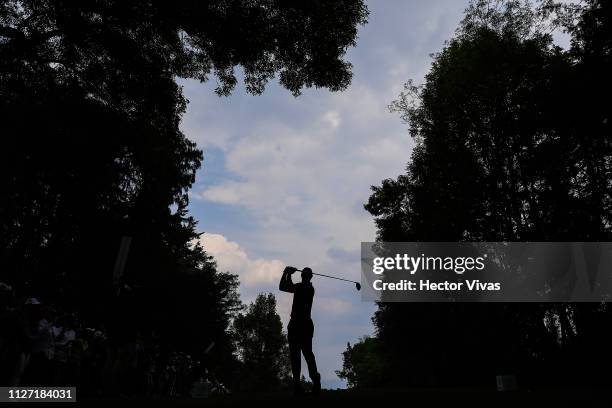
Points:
[(301, 329)]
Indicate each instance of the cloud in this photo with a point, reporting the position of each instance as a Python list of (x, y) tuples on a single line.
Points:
[(254, 273), (338, 307), (257, 275), (303, 178), (333, 118), (341, 254), (231, 192)]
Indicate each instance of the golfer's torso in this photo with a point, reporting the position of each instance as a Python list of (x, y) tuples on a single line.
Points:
[(302, 301)]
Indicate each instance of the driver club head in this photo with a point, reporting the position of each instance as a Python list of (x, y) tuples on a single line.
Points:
[(358, 286)]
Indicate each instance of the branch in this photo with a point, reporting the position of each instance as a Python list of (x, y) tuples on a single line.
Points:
[(11, 32)]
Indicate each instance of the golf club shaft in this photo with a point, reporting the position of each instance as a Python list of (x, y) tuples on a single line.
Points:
[(332, 277)]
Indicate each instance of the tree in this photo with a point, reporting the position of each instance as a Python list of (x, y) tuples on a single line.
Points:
[(500, 156), (262, 346), (78, 42), (362, 365), (591, 37), (90, 112), (92, 151)]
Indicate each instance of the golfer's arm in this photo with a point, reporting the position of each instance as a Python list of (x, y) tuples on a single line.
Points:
[(286, 285)]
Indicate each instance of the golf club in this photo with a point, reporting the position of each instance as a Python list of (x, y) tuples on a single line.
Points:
[(357, 284)]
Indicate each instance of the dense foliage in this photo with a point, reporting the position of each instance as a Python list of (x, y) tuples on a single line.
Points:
[(512, 144), (92, 151), (262, 346)]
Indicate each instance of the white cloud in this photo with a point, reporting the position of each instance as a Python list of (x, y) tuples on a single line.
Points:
[(333, 118), (257, 275), (231, 192), (253, 273), (310, 179)]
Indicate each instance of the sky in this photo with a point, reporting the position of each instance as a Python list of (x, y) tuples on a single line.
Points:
[(284, 179)]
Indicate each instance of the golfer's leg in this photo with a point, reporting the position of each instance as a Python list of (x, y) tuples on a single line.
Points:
[(296, 360), (310, 358)]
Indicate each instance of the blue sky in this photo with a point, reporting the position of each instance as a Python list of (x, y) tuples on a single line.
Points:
[(284, 179)]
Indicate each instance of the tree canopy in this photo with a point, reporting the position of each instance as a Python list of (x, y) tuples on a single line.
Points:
[(262, 346), (512, 144), (92, 150), (303, 41), (362, 365)]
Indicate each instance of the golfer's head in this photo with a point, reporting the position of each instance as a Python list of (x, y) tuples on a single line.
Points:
[(306, 274)]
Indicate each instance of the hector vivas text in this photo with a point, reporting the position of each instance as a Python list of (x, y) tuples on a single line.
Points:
[(412, 265)]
